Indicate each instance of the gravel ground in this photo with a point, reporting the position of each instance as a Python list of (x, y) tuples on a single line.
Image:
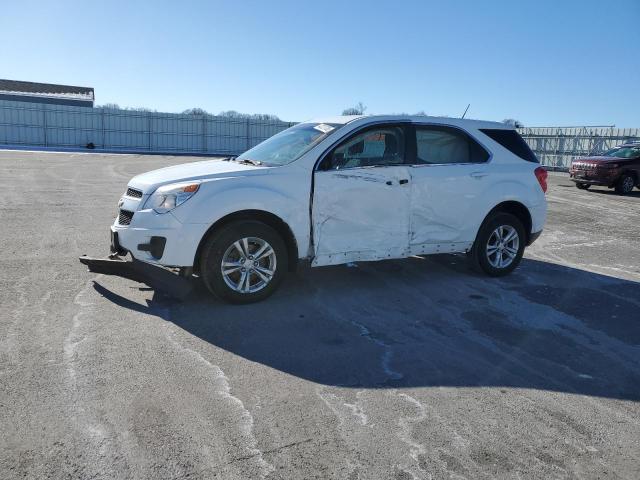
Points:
[(398, 369)]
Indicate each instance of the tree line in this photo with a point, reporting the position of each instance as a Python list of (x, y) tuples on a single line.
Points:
[(358, 109)]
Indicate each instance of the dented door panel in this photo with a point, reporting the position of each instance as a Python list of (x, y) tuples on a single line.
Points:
[(361, 214), (448, 203)]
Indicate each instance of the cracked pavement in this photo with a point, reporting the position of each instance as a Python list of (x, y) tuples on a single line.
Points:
[(405, 369)]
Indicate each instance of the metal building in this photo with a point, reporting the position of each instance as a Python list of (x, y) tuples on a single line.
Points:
[(555, 147), (46, 93)]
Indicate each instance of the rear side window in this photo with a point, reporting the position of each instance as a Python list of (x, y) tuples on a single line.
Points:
[(512, 141), (440, 145)]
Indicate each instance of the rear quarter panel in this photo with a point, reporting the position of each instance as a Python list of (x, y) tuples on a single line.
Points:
[(516, 181)]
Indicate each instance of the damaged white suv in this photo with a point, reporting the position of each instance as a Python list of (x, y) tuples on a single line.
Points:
[(339, 190)]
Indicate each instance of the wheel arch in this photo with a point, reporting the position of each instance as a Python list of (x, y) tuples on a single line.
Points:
[(518, 210), (263, 216), (633, 173)]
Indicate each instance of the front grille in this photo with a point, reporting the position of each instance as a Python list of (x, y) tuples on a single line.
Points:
[(584, 166), (124, 218), (132, 192)]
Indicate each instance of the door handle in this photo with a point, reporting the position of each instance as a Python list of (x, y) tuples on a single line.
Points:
[(403, 181), (478, 174)]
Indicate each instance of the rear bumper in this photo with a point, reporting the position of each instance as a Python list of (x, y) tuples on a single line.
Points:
[(538, 216), (533, 237)]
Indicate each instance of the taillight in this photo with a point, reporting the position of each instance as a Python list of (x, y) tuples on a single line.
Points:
[(541, 175)]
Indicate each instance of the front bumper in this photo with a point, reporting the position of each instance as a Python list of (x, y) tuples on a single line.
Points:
[(591, 181), (600, 177), (158, 278), (159, 239)]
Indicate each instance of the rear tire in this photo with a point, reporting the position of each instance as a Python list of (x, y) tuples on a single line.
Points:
[(243, 262), (583, 186), (625, 184), (499, 245)]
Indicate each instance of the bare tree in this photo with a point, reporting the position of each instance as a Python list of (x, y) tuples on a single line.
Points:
[(359, 109), (266, 117), (195, 111), (233, 114), (254, 116), (115, 106), (512, 122), (141, 109)]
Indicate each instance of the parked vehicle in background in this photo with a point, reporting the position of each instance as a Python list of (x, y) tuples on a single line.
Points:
[(617, 168), (339, 190)]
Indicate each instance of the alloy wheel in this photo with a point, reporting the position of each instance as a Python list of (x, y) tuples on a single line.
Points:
[(248, 265), (502, 247)]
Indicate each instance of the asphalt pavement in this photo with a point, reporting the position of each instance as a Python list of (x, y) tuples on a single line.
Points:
[(415, 368)]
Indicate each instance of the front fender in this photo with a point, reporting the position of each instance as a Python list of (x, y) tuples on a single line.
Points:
[(221, 197)]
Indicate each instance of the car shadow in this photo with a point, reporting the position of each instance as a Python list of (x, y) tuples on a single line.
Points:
[(599, 189), (431, 322), (610, 191)]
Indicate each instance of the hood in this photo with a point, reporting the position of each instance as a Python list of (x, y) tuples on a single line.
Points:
[(191, 171)]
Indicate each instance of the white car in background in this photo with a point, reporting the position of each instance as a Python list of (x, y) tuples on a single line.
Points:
[(339, 190)]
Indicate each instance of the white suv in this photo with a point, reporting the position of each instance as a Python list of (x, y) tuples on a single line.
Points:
[(339, 190)]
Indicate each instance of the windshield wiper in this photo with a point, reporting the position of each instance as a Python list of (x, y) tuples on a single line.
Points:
[(247, 161)]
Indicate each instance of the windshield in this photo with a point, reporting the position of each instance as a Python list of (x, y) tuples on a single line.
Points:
[(623, 152), (289, 145)]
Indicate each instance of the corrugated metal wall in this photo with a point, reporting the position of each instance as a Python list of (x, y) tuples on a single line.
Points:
[(61, 126), (557, 146)]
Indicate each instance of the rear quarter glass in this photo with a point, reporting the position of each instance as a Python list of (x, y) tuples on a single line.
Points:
[(512, 141)]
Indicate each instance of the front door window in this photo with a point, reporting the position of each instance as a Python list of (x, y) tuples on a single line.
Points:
[(361, 198), (375, 147)]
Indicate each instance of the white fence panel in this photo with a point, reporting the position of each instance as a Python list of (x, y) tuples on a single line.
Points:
[(62, 126), (557, 146)]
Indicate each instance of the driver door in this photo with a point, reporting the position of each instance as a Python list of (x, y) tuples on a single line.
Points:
[(361, 199)]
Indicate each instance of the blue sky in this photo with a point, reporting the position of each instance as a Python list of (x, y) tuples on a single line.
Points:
[(542, 62)]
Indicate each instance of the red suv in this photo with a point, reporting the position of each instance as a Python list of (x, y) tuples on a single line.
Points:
[(618, 168)]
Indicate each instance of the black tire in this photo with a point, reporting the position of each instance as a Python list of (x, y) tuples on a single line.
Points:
[(479, 257), (625, 184), (222, 241), (583, 186)]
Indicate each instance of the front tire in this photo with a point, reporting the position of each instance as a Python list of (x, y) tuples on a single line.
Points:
[(583, 186), (499, 245), (243, 262), (625, 184)]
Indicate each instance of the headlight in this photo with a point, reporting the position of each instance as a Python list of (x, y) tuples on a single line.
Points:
[(168, 197)]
